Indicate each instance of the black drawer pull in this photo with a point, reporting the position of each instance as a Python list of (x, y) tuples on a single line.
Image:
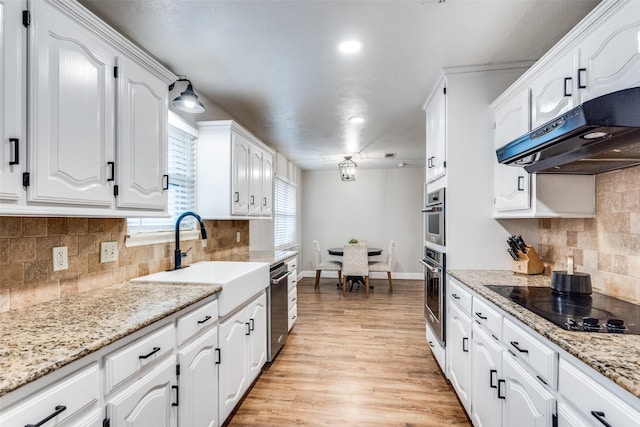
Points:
[(219, 353), (567, 80), (58, 410), (431, 344), (253, 200), (16, 151), (455, 296), (253, 325), (165, 182), (237, 197), (516, 345), (112, 167), (501, 396), (481, 316), (491, 372), (521, 183), (206, 319), (465, 346), (264, 202), (600, 417), (542, 380), (154, 351), (177, 389), (581, 85), (248, 330)]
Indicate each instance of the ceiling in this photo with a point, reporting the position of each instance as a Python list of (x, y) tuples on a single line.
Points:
[(275, 67)]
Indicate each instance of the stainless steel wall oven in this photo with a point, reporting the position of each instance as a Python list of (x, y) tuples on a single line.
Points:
[(434, 263), (434, 217)]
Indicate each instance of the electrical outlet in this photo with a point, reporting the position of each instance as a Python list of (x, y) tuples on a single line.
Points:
[(60, 258), (108, 251), (238, 236)]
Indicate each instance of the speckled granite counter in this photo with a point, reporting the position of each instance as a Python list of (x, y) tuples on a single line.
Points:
[(258, 256), (615, 356), (45, 337)]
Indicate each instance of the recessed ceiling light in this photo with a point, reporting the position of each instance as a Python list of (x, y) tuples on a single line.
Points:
[(356, 120), (350, 46)]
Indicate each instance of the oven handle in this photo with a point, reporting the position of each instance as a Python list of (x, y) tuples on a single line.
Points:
[(275, 280), (430, 267)]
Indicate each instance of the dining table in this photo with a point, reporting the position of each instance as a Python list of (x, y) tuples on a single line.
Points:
[(354, 279)]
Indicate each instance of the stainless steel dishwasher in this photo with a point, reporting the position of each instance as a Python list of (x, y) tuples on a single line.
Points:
[(277, 304)]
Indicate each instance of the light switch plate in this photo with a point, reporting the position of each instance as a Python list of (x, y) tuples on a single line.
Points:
[(108, 251), (60, 258)]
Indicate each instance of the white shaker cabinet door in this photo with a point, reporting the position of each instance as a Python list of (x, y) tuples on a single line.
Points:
[(267, 184), (71, 109), (512, 184), (257, 347), (436, 133), (142, 138), (239, 175), (458, 353), (255, 181), (486, 367), (232, 373), (12, 63)]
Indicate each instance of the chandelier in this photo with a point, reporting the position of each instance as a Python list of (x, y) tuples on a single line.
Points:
[(347, 169)]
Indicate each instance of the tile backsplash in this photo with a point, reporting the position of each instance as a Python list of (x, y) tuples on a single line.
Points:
[(26, 255), (607, 246)]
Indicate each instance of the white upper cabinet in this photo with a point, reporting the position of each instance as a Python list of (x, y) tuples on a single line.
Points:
[(142, 138), (82, 159), (71, 110), (12, 96), (436, 131), (235, 172)]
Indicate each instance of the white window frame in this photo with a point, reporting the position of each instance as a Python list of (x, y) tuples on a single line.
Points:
[(140, 238), (277, 211)]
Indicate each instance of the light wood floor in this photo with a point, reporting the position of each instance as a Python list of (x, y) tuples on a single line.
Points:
[(354, 361)]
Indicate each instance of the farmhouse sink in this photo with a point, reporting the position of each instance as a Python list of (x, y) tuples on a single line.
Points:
[(240, 281)]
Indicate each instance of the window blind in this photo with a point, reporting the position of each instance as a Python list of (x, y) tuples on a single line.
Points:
[(181, 157), (284, 215)]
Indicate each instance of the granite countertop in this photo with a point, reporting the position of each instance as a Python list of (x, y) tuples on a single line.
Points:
[(270, 257), (40, 339), (616, 356)]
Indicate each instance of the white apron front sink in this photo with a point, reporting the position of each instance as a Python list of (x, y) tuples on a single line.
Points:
[(240, 281)]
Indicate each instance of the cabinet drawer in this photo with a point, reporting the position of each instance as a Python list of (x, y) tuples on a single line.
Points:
[(592, 399), (292, 280), (293, 315), (292, 264), (197, 320), (486, 316), (77, 392), (293, 298), (532, 351), (460, 296), (132, 358)]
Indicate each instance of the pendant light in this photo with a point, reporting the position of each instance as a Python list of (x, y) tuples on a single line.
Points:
[(188, 100), (347, 169)]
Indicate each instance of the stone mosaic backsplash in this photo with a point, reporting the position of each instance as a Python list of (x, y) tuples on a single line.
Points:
[(26, 255), (608, 246)]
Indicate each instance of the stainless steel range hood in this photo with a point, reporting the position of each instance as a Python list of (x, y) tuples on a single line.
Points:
[(601, 135)]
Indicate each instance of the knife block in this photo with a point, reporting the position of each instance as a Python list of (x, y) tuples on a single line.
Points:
[(528, 263)]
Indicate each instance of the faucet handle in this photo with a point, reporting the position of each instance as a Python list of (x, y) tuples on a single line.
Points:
[(184, 254)]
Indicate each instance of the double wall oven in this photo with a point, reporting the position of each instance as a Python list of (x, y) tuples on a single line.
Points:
[(434, 263)]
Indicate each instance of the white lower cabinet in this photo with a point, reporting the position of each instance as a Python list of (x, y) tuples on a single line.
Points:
[(486, 368), (198, 382), (292, 287), (243, 352), (459, 356), (150, 401)]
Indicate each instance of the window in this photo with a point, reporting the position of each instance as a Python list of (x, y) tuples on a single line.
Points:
[(181, 158), (284, 217)]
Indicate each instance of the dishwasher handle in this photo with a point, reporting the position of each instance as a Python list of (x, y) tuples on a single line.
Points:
[(275, 280)]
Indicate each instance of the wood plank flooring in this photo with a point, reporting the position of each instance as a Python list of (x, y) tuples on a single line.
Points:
[(354, 361)]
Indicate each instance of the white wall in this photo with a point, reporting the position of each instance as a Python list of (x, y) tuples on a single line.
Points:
[(381, 205)]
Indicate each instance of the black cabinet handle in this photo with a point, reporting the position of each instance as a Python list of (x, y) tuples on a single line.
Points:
[(431, 344), (237, 196), (481, 316), (177, 389), (57, 410), (16, 151), (264, 201), (293, 299), (253, 325), (491, 372), (207, 318), (465, 348), (112, 166), (581, 72), (165, 182), (219, 354), (516, 345), (600, 417), (248, 331), (521, 183), (542, 380), (567, 80), (253, 200), (501, 396), (456, 296), (148, 355)]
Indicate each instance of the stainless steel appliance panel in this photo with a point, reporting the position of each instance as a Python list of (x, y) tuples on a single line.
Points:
[(434, 291), (278, 309), (434, 217)]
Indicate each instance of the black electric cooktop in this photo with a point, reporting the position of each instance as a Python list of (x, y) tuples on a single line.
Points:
[(591, 313)]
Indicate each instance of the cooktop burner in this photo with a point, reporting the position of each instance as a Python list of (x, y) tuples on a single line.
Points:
[(591, 313)]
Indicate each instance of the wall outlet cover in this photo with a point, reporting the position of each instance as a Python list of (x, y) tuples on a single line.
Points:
[(60, 258), (108, 251)]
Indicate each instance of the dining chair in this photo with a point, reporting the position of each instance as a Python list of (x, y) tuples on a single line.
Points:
[(385, 265), (320, 265), (355, 262)]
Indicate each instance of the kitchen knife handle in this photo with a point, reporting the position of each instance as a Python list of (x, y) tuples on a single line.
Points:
[(600, 417), (567, 80)]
